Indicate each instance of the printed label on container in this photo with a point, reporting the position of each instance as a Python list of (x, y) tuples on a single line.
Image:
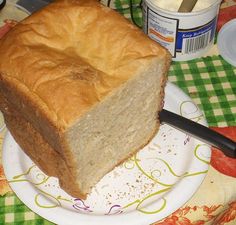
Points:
[(192, 40), (162, 29)]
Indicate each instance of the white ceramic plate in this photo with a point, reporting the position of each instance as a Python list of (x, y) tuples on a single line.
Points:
[(146, 188)]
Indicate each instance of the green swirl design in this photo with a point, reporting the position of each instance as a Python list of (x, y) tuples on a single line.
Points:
[(132, 203), (140, 202), (197, 118), (149, 176), (196, 173), (58, 199), (200, 159), (154, 171), (170, 169), (152, 177), (197, 156), (129, 164), (24, 174), (155, 211), (43, 193), (43, 177)]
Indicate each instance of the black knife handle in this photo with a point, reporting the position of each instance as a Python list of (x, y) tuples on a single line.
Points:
[(226, 145)]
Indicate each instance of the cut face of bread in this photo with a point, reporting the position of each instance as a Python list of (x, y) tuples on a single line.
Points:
[(117, 127), (86, 87)]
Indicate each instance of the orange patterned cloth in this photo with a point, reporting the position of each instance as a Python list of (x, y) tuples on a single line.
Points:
[(223, 168)]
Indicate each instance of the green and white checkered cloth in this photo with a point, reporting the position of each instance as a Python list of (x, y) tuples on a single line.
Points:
[(15, 212), (209, 81)]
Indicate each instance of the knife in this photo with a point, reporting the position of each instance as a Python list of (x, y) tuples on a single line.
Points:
[(33, 5), (213, 138)]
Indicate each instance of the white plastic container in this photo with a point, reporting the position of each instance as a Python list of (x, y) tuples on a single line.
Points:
[(186, 35)]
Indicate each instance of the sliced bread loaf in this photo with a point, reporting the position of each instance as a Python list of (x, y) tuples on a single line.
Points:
[(80, 90)]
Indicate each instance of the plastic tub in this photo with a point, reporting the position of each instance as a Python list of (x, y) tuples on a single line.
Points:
[(186, 35)]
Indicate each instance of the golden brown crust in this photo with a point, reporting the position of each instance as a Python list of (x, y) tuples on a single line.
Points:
[(58, 56)]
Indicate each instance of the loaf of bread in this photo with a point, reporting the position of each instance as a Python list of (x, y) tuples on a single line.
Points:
[(80, 90)]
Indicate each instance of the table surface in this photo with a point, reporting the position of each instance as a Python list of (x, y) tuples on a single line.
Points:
[(211, 83)]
